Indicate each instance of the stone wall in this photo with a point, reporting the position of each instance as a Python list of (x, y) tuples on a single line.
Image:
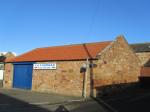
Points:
[(66, 79), (144, 57), (117, 65), (8, 75)]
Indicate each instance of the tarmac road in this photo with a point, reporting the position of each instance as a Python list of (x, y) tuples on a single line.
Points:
[(15, 100), (132, 99)]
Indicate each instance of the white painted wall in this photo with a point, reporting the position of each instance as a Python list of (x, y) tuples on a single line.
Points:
[(1, 74)]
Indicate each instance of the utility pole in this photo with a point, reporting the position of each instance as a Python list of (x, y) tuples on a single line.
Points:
[(85, 79)]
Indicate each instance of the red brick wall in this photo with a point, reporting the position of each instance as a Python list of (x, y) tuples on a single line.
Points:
[(66, 79)]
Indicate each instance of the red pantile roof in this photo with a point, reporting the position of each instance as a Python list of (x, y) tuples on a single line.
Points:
[(67, 52)]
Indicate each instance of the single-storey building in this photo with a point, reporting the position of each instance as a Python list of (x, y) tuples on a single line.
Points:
[(63, 70)]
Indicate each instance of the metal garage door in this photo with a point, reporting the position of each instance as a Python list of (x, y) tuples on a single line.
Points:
[(22, 75)]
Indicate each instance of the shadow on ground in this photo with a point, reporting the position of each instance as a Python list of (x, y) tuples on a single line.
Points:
[(9, 104), (133, 98)]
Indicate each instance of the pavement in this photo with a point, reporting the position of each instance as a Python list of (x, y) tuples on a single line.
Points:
[(15, 100)]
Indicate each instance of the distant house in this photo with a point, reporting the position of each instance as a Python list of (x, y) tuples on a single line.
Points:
[(62, 69), (3, 57), (142, 50)]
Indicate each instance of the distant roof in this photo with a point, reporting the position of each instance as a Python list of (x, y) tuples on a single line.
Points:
[(67, 52), (145, 71), (4, 53), (2, 58), (141, 47)]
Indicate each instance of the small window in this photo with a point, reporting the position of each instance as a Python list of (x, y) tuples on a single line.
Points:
[(1, 66)]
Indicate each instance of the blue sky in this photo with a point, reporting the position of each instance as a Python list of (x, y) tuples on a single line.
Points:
[(28, 24)]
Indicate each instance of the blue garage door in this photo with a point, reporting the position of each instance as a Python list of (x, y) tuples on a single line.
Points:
[(23, 75)]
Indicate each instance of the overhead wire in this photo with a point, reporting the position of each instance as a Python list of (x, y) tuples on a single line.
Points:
[(91, 24)]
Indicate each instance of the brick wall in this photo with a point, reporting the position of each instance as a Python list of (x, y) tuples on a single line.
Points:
[(117, 64), (66, 79), (8, 75)]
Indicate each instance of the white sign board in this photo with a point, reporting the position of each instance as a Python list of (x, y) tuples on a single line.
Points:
[(1, 74), (47, 66)]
